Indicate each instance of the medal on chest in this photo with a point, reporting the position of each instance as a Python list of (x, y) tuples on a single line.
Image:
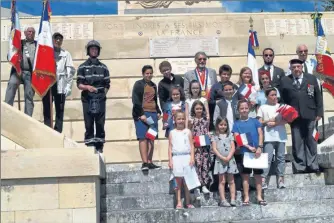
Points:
[(202, 78)]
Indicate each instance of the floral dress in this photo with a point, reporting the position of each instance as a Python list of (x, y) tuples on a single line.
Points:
[(203, 155)]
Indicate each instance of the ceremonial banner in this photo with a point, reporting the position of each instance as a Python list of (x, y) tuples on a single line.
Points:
[(15, 45), (44, 71), (325, 65), (251, 60)]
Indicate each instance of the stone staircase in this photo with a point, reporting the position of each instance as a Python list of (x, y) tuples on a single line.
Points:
[(128, 195)]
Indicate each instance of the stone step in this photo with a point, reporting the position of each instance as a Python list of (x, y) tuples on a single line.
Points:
[(278, 210), (310, 219), (112, 203), (162, 177)]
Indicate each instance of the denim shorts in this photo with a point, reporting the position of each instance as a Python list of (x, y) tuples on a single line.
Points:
[(141, 127)]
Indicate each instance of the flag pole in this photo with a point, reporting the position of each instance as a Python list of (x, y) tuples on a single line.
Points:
[(51, 107), (19, 97)]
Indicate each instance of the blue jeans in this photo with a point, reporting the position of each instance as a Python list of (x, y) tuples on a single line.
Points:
[(279, 148)]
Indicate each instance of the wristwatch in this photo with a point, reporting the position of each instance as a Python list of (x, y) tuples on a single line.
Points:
[(260, 146)]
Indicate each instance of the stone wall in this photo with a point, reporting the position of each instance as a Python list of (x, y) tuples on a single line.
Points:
[(125, 44)]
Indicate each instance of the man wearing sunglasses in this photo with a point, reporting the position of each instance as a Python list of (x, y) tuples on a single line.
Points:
[(309, 65), (276, 73), (205, 76)]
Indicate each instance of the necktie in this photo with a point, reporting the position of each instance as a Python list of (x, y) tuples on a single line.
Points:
[(269, 70), (297, 82), (305, 68)]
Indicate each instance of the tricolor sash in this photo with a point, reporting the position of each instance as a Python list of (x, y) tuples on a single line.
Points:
[(203, 82)]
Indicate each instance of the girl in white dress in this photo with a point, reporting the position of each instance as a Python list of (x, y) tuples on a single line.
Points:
[(195, 94), (181, 155)]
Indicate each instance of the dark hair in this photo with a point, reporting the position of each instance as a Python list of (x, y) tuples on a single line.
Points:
[(268, 48), (218, 121), (197, 102), (180, 89), (225, 67), (145, 68), (242, 101), (164, 64), (267, 92), (190, 87), (240, 81), (227, 83)]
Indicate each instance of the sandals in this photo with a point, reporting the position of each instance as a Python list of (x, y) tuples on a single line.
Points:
[(190, 206), (262, 203), (245, 203), (179, 206)]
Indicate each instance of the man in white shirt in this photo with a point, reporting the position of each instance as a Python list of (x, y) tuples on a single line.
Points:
[(309, 65)]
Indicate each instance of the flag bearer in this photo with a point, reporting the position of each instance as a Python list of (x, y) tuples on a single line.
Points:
[(93, 80)]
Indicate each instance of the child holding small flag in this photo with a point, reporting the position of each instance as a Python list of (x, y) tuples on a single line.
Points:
[(247, 89), (249, 137), (181, 156), (176, 93), (194, 91), (274, 136), (199, 125), (225, 165)]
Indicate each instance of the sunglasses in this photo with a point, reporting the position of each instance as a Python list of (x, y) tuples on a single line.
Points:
[(303, 51), (268, 55)]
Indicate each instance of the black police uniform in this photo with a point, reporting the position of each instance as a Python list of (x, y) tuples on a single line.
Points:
[(93, 72)]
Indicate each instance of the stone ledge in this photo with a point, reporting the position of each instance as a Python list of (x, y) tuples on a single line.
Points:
[(38, 163), (35, 133)]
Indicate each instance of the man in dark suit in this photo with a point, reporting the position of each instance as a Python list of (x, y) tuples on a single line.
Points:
[(301, 91), (276, 73)]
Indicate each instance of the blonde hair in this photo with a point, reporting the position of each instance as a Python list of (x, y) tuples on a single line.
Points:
[(240, 81)]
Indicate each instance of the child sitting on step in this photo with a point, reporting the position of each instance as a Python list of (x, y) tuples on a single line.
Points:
[(225, 165), (181, 156)]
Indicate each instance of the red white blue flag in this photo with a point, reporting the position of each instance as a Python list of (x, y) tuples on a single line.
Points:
[(253, 43), (203, 140), (244, 139), (44, 71), (15, 45), (151, 134), (246, 90), (315, 135), (325, 65)]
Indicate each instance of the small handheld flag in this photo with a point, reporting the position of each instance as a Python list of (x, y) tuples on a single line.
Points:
[(165, 117), (244, 139), (246, 90), (203, 140), (151, 134), (316, 135), (288, 112)]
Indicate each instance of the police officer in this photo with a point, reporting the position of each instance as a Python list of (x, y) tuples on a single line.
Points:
[(94, 81)]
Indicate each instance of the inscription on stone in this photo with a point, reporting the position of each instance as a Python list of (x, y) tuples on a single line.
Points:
[(329, 26), (183, 46), (68, 30), (275, 27), (182, 65)]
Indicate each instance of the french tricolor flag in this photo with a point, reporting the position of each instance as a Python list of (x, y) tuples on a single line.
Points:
[(151, 134), (203, 140), (316, 135), (246, 90), (44, 71), (244, 139), (165, 117), (251, 60), (14, 49)]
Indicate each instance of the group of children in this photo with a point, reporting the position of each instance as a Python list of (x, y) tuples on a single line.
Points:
[(239, 111), (229, 111)]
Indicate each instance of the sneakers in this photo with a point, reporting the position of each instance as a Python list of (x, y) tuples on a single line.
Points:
[(281, 185), (197, 194), (264, 186), (224, 203), (144, 167), (233, 203), (152, 166), (205, 190)]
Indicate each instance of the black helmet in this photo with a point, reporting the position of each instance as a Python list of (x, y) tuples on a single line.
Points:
[(93, 43)]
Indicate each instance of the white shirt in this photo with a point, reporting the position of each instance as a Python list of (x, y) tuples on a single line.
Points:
[(176, 106), (65, 72), (271, 70), (272, 134), (229, 114)]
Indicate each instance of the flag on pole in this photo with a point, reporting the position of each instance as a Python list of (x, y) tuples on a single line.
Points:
[(253, 43), (44, 71), (15, 45), (325, 65)]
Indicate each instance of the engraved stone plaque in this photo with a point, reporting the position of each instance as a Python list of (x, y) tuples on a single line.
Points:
[(274, 27), (183, 46)]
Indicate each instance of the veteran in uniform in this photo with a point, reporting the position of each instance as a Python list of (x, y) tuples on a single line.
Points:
[(301, 91), (94, 81)]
